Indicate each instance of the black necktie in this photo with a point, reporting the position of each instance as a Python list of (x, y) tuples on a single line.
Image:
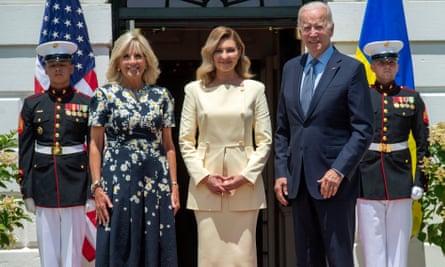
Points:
[(307, 89)]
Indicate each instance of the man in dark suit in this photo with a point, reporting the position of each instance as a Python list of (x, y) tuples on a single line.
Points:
[(319, 142)]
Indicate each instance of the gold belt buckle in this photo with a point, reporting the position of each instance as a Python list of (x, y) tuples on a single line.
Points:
[(385, 148), (56, 150)]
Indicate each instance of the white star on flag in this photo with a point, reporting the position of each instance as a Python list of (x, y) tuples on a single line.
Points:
[(63, 21)]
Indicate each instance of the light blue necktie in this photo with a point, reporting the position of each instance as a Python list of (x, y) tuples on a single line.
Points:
[(307, 89)]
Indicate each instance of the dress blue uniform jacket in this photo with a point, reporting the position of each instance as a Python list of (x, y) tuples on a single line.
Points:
[(336, 131), (54, 118), (398, 111)]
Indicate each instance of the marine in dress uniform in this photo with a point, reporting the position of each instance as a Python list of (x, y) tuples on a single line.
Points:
[(387, 182), (53, 160)]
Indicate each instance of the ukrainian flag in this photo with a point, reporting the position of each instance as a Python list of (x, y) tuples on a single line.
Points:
[(385, 20)]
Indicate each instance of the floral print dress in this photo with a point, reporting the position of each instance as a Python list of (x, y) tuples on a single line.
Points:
[(141, 231)]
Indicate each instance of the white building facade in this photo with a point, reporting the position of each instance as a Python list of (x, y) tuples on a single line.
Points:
[(21, 20)]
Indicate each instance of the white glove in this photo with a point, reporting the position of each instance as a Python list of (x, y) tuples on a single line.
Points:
[(30, 205), (90, 205), (416, 192)]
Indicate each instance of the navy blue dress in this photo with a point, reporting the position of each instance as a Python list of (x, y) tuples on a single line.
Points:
[(141, 231)]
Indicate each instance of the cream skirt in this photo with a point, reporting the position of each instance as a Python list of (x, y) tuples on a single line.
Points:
[(227, 238)]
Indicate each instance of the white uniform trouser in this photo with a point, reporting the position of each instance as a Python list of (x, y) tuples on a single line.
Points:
[(385, 231), (60, 234)]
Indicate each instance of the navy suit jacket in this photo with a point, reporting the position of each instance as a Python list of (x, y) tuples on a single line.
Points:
[(336, 131)]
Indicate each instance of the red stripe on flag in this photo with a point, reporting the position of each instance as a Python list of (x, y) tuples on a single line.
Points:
[(91, 215), (88, 251), (91, 79), (37, 86)]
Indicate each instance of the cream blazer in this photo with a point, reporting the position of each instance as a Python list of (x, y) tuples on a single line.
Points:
[(228, 120)]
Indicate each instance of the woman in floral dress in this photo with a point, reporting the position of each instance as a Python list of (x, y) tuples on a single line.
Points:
[(133, 161)]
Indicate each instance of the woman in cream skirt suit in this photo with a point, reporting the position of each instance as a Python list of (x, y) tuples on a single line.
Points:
[(229, 112)]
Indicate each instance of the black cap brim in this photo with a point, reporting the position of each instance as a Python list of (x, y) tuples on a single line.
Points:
[(385, 56), (58, 57)]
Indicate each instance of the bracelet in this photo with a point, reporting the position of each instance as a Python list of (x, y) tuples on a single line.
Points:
[(96, 184), (175, 184)]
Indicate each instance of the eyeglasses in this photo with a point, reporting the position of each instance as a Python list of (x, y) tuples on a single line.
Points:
[(309, 28)]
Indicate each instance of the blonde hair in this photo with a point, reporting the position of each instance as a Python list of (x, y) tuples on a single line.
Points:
[(133, 40), (206, 72)]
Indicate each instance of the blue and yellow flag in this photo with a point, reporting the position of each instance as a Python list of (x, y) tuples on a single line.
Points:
[(385, 20)]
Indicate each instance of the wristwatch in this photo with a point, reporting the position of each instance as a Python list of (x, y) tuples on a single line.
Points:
[(96, 184)]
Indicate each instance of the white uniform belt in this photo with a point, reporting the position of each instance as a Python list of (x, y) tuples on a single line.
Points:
[(387, 148), (59, 150)]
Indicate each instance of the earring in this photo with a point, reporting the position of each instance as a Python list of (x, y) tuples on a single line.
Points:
[(118, 70)]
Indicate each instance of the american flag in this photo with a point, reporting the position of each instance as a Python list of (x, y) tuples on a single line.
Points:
[(63, 21)]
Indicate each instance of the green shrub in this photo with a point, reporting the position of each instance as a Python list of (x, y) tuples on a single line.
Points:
[(433, 202), (12, 212)]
